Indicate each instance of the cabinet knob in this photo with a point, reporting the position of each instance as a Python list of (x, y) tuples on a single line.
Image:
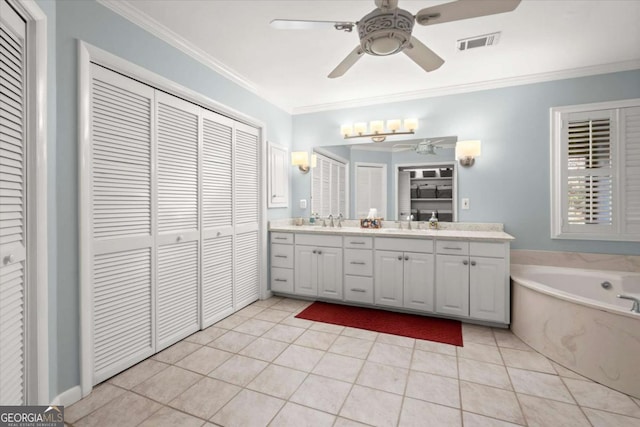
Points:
[(473, 263), (179, 238), (319, 252), (314, 251), (399, 257), (465, 262), (8, 259), (406, 258)]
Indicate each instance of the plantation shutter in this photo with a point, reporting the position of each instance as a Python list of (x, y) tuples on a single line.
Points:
[(588, 145), (121, 224), (178, 134), (631, 170), (246, 214), (12, 208), (217, 217)]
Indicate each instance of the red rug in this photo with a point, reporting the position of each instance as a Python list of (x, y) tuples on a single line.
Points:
[(407, 325)]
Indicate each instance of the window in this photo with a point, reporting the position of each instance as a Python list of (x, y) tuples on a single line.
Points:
[(595, 156), (329, 187)]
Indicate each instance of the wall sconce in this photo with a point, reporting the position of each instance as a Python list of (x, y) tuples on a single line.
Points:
[(301, 159), (376, 129), (467, 151)]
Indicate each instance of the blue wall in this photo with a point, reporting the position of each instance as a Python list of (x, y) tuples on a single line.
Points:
[(70, 21), (510, 182)]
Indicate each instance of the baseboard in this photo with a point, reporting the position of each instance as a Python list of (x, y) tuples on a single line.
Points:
[(68, 397)]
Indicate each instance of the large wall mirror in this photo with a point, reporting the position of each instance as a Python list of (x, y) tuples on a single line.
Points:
[(396, 178)]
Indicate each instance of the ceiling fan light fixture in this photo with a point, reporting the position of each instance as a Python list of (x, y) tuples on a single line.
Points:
[(384, 33)]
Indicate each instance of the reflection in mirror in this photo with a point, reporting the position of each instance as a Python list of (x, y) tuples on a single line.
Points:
[(397, 156)]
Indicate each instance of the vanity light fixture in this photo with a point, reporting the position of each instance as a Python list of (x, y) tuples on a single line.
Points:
[(301, 159), (467, 151), (376, 129)]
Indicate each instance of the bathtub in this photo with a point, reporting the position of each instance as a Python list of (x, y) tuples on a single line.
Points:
[(567, 315)]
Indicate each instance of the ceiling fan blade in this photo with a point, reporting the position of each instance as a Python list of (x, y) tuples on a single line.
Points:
[(423, 56), (386, 4), (295, 24), (347, 62), (463, 9)]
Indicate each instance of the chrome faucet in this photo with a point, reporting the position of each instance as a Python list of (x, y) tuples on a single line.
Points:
[(330, 217), (340, 218), (636, 302), (409, 219)]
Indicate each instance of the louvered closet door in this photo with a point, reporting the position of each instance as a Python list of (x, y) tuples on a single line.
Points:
[(217, 217), (121, 226), (631, 160), (12, 209), (246, 214), (178, 238)]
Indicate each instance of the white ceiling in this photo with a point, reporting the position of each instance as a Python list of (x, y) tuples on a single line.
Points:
[(541, 40)]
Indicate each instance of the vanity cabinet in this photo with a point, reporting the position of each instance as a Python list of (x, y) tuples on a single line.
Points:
[(358, 269), (472, 280), (404, 270), (282, 262), (318, 266)]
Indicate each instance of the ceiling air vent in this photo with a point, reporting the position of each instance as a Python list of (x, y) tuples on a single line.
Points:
[(478, 41)]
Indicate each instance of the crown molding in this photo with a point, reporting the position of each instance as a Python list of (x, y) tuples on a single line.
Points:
[(142, 20), (473, 87)]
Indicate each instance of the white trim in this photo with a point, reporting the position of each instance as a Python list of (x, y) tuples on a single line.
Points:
[(472, 87), (86, 55), (144, 21), (37, 385), (68, 397)]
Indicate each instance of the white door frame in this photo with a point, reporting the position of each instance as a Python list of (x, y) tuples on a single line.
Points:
[(37, 341), (86, 55)]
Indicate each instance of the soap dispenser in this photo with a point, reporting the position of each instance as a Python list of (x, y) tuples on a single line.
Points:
[(433, 221)]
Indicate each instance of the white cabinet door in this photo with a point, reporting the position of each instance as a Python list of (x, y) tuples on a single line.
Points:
[(329, 272), (418, 281), (306, 271), (388, 281), (178, 238), (452, 285), (278, 178), (488, 289)]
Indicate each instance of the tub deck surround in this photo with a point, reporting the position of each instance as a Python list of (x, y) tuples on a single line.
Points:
[(568, 324), (449, 231), (459, 271)]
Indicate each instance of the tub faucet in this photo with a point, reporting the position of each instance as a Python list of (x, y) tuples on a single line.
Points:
[(636, 302)]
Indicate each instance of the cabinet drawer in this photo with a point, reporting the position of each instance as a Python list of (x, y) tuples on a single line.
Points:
[(282, 280), (356, 242), (404, 245), (358, 262), (358, 289), (491, 250), (319, 240), (281, 256), (452, 247), (284, 238)]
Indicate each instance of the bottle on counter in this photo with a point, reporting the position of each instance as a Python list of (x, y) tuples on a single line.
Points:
[(433, 221)]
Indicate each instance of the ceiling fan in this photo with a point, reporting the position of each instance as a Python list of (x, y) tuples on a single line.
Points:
[(387, 29)]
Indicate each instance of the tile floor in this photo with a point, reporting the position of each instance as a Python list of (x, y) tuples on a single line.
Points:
[(262, 366)]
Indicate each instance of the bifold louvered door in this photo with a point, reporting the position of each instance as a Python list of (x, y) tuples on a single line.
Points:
[(217, 217), (122, 273), (631, 174), (246, 215), (178, 237), (12, 209)]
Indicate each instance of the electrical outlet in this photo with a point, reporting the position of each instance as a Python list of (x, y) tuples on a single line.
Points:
[(303, 204), (465, 204)]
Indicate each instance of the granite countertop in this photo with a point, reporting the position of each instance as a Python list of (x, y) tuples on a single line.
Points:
[(468, 231)]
